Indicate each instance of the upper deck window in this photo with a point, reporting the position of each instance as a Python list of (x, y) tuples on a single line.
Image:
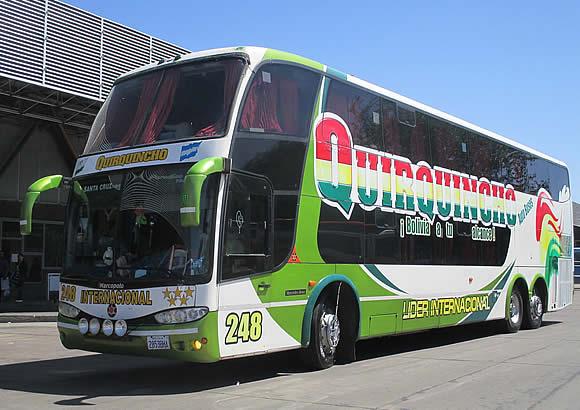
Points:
[(359, 109), (185, 101), (280, 101)]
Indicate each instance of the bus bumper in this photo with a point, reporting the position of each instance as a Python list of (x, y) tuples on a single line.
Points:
[(194, 342)]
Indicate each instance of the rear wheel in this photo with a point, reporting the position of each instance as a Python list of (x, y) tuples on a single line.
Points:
[(324, 336), (515, 313), (535, 314)]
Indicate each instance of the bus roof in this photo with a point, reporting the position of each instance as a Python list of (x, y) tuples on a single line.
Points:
[(258, 54)]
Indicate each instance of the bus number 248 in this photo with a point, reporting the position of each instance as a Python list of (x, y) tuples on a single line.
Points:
[(244, 327)]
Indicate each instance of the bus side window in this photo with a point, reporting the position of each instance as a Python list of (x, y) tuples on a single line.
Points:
[(406, 135), (280, 100), (450, 145), (360, 110), (247, 240), (483, 158)]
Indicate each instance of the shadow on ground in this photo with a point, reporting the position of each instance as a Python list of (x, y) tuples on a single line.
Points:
[(100, 375)]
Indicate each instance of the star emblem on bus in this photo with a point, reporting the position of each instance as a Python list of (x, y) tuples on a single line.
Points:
[(182, 295)]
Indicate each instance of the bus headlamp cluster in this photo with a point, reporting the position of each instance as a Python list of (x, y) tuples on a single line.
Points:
[(68, 310), (94, 326), (182, 315), (107, 327)]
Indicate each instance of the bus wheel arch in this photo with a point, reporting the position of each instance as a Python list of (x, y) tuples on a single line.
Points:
[(323, 298), (537, 304)]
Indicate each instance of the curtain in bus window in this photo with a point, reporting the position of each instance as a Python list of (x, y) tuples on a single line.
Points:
[(289, 115), (232, 76), (146, 98), (337, 103), (280, 101), (260, 110), (163, 106)]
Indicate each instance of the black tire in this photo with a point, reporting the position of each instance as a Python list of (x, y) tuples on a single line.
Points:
[(535, 312), (515, 311), (319, 354)]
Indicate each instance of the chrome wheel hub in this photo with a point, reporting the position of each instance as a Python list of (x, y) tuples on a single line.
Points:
[(514, 309), (329, 334), (536, 307)]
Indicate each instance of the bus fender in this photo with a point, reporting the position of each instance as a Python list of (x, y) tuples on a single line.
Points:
[(313, 298)]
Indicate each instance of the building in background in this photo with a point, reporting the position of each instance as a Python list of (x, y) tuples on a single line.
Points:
[(57, 65)]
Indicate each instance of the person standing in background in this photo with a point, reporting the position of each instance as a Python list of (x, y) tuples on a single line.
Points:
[(4, 276), (19, 277)]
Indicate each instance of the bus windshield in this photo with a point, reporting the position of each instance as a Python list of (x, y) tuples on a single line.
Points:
[(125, 227), (191, 100)]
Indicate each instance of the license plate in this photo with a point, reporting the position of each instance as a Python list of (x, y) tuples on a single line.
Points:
[(158, 343)]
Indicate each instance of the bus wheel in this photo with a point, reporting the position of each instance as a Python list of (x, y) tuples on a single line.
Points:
[(535, 313), (515, 313), (325, 335)]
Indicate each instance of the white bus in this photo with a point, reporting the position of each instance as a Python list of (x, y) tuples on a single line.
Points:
[(241, 201)]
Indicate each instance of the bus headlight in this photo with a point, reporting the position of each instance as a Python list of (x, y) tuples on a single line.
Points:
[(120, 328), (83, 326), (183, 315), (107, 327), (94, 326), (68, 310)]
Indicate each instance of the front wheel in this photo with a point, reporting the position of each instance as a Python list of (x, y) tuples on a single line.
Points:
[(324, 337), (514, 314)]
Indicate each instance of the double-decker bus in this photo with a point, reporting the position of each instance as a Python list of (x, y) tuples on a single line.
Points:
[(242, 201)]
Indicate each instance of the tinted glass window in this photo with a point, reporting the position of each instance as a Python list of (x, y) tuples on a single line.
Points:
[(483, 157), (284, 222), (340, 240), (280, 100), (383, 243), (450, 145), (538, 174), (558, 179), (360, 110), (247, 238), (185, 101), (264, 157), (403, 139), (544, 174)]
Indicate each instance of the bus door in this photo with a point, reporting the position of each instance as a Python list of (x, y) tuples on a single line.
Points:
[(246, 281)]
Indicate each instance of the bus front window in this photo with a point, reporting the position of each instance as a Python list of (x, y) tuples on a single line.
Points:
[(190, 100), (127, 228)]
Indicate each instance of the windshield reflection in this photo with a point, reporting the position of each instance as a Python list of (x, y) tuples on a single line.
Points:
[(127, 228)]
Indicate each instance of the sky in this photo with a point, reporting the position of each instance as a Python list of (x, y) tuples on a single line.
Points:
[(510, 67)]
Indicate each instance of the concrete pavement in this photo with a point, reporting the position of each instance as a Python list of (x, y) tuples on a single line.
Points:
[(466, 367), (23, 317)]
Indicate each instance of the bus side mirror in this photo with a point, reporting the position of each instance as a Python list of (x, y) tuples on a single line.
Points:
[(42, 185), (190, 212)]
